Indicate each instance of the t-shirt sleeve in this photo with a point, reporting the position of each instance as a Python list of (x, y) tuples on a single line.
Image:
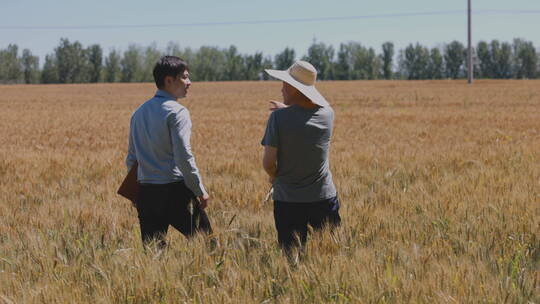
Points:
[(271, 136)]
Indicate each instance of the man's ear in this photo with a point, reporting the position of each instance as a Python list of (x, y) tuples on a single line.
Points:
[(296, 92), (167, 81)]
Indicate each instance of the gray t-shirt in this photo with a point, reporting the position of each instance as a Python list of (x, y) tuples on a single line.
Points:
[(302, 138)]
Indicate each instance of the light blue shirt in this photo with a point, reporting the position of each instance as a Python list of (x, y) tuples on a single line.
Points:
[(159, 140)]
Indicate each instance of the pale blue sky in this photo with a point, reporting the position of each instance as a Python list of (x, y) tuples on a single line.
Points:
[(429, 30)]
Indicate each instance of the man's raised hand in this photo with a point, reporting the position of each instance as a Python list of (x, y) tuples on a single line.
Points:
[(274, 105)]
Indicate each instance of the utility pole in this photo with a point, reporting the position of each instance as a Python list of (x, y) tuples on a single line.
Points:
[(469, 51)]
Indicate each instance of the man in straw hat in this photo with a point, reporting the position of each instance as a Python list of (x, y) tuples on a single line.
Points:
[(159, 141), (296, 144)]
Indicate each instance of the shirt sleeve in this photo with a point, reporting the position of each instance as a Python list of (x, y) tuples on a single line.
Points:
[(180, 130), (271, 137), (131, 156)]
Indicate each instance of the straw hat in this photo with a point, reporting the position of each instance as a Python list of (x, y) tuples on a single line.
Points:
[(301, 75)]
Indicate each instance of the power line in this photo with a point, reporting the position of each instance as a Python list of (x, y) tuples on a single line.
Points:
[(269, 21), (297, 20), (513, 12)]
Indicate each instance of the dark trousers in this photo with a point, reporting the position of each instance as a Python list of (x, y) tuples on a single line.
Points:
[(172, 204), (292, 220)]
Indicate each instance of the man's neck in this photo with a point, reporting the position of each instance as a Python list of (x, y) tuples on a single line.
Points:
[(169, 93), (304, 103)]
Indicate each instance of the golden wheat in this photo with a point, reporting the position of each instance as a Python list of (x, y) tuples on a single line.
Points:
[(439, 183)]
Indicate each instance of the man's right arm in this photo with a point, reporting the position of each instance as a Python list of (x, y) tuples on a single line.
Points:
[(270, 142), (276, 105), (131, 157)]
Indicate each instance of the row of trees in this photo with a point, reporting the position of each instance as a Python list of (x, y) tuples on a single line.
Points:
[(72, 63)]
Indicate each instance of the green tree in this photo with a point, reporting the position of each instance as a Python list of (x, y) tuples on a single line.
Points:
[(454, 57), (495, 59), (321, 56), (234, 64), (387, 58), (150, 58), (355, 61), (253, 66), (30, 65), (526, 59), (285, 59), (344, 64), (501, 56), (485, 62), (366, 63), (414, 61), (11, 70), (131, 64), (71, 61), (95, 60), (173, 49), (435, 65), (188, 55), (208, 64), (49, 74), (113, 71), (267, 64)]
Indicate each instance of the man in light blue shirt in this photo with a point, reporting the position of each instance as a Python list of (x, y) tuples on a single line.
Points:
[(159, 141)]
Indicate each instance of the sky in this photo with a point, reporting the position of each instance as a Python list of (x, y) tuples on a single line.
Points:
[(38, 25)]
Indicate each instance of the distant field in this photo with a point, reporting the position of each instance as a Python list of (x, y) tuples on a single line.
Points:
[(440, 185)]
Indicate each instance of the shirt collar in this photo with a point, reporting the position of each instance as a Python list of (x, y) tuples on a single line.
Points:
[(163, 94)]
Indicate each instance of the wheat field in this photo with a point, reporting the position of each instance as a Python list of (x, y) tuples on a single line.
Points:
[(439, 183)]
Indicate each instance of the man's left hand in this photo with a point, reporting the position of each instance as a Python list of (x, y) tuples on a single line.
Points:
[(204, 200)]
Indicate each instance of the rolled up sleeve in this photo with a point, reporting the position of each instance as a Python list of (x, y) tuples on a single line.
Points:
[(180, 130)]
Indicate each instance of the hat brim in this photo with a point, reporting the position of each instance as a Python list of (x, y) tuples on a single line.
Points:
[(309, 91)]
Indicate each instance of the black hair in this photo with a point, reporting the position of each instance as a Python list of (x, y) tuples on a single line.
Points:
[(168, 66)]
